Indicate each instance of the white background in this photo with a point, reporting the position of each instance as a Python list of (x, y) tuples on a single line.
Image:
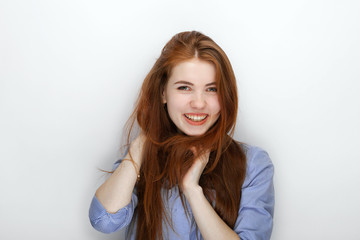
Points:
[(70, 72)]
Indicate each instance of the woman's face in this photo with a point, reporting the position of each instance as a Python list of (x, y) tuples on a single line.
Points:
[(191, 97)]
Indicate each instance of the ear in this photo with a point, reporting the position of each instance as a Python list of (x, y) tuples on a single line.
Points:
[(163, 96)]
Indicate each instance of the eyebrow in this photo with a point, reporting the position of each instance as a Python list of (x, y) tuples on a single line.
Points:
[(191, 84)]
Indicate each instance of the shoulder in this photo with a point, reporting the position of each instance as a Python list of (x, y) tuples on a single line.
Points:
[(258, 164), (255, 154), (256, 210)]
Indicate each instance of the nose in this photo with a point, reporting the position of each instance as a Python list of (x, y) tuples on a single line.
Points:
[(198, 101)]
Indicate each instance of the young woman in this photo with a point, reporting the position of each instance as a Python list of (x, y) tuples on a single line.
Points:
[(184, 176)]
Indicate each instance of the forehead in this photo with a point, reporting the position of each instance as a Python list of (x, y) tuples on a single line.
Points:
[(193, 70)]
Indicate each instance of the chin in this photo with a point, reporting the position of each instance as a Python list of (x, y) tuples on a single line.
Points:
[(194, 133)]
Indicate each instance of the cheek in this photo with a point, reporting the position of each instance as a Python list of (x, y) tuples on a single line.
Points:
[(215, 105), (176, 103)]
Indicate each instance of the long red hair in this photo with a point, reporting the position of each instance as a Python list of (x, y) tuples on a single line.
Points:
[(166, 153)]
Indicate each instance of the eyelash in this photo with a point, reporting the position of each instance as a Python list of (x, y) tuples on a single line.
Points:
[(186, 88), (213, 89)]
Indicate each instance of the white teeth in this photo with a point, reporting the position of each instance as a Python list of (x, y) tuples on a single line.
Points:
[(196, 118)]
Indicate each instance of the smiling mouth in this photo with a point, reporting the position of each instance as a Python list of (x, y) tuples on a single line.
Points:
[(196, 117)]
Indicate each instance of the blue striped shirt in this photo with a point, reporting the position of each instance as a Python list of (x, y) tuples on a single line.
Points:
[(255, 217)]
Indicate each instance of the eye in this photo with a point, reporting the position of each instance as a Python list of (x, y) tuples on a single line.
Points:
[(185, 88), (212, 89)]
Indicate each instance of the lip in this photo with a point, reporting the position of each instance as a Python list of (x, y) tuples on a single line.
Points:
[(196, 123)]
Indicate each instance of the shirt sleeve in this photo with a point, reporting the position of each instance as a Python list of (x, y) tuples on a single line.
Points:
[(255, 219), (106, 222)]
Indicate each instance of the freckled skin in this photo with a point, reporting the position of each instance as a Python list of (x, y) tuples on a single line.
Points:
[(191, 97)]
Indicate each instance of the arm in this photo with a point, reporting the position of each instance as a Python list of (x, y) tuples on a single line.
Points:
[(113, 205), (117, 190), (255, 218), (211, 226)]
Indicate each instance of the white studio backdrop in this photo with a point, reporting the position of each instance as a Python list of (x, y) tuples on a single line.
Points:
[(70, 72)]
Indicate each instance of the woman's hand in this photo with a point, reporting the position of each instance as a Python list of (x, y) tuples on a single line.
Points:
[(136, 149), (190, 181), (210, 224)]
